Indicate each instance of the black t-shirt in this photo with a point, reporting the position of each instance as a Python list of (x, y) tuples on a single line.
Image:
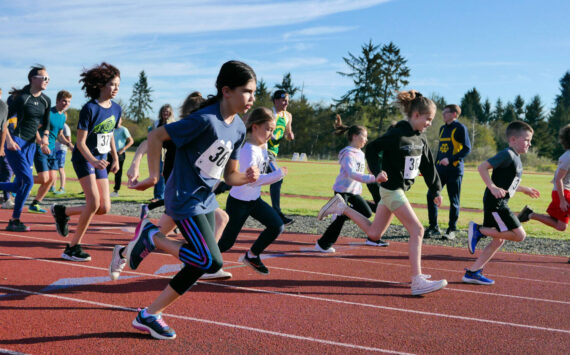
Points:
[(32, 112), (507, 173)]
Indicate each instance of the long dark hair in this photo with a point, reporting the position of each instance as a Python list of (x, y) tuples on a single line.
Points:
[(232, 74)]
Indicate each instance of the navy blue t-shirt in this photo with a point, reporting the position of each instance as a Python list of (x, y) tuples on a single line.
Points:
[(205, 143), (99, 122)]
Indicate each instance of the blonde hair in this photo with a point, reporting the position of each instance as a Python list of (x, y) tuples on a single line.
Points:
[(413, 101)]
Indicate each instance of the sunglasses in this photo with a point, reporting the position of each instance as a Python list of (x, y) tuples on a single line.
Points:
[(44, 78)]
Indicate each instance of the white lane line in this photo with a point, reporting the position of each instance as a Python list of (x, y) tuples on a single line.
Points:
[(208, 321), (405, 310), (10, 352)]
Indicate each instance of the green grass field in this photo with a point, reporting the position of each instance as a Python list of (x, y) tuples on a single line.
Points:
[(317, 178)]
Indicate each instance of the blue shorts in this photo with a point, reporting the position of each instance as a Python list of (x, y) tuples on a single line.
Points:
[(60, 158), (83, 168), (44, 162)]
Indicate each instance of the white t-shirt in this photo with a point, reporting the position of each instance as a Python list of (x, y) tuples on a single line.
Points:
[(252, 155), (564, 164), (67, 133)]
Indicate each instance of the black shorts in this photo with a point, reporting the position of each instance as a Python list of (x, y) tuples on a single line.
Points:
[(499, 215)]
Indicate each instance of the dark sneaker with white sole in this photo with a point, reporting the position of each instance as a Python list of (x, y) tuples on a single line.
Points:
[(524, 214), (141, 245), (376, 243), (432, 232), (449, 234), (255, 263), (75, 253), (155, 325), (61, 219), (476, 277), (16, 226)]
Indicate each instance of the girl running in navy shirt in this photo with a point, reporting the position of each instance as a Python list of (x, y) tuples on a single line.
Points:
[(32, 109), (208, 143), (97, 120)]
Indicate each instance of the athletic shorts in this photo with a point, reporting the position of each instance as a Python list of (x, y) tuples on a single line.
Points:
[(392, 199), (554, 210), (497, 214), (44, 162), (60, 158), (83, 168)]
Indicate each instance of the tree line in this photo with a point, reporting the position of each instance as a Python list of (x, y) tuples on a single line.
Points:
[(377, 73)]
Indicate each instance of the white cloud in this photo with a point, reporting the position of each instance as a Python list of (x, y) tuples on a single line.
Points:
[(317, 31)]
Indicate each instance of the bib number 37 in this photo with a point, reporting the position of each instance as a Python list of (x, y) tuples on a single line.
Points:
[(412, 167), (213, 161)]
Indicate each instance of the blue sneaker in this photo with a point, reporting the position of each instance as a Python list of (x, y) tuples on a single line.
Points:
[(52, 189), (155, 325), (144, 211), (476, 277), (141, 245), (474, 236), (36, 209)]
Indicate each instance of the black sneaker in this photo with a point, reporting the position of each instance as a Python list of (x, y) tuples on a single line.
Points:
[(141, 245), (524, 214), (14, 225), (432, 232), (286, 220), (449, 234), (61, 220), (255, 264), (75, 253)]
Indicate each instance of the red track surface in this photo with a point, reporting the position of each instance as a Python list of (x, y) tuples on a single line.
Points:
[(355, 301)]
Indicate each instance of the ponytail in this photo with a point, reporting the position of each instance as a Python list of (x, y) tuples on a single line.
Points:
[(340, 128), (413, 101)]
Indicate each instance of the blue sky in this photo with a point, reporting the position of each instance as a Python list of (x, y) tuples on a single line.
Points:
[(503, 48)]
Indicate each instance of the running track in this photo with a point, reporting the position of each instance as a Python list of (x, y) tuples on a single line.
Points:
[(355, 301)]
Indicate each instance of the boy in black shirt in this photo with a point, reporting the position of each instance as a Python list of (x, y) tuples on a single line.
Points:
[(499, 222)]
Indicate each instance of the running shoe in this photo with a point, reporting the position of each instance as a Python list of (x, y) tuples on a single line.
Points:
[(16, 226), (61, 219), (255, 263), (8, 204), (476, 277), (36, 209), (141, 245), (335, 205), (286, 220), (52, 189), (323, 250), (432, 231), (218, 275), (117, 263), (421, 285), (75, 253), (376, 243), (144, 211), (114, 194), (155, 325), (449, 234), (473, 236), (60, 191), (524, 214)]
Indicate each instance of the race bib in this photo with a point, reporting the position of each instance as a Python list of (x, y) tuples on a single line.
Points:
[(412, 166), (213, 161), (513, 188), (104, 142)]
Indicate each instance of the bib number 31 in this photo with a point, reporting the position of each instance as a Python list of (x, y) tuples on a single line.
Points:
[(213, 161), (412, 167)]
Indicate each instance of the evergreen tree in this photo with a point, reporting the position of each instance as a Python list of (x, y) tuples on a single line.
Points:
[(471, 105), (287, 85), (499, 110), (394, 74), (365, 72), (560, 115), (534, 111), (519, 107), (487, 113), (510, 114), (439, 101), (262, 95), (139, 104)]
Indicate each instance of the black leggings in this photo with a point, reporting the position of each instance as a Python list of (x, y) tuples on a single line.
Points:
[(333, 231), (200, 254)]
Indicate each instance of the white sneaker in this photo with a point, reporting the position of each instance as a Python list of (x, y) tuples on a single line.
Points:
[(218, 275), (117, 263), (377, 243), (114, 194), (329, 250), (421, 285), (336, 205), (8, 204)]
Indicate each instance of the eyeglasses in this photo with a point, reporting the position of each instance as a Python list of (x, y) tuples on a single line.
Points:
[(44, 78)]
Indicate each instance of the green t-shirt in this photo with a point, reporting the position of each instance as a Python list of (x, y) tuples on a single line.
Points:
[(278, 133)]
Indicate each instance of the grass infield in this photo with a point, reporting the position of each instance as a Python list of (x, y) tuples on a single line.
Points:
[(311, 183)]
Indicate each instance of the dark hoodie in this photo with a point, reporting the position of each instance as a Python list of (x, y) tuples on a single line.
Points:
[(405, 153)]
